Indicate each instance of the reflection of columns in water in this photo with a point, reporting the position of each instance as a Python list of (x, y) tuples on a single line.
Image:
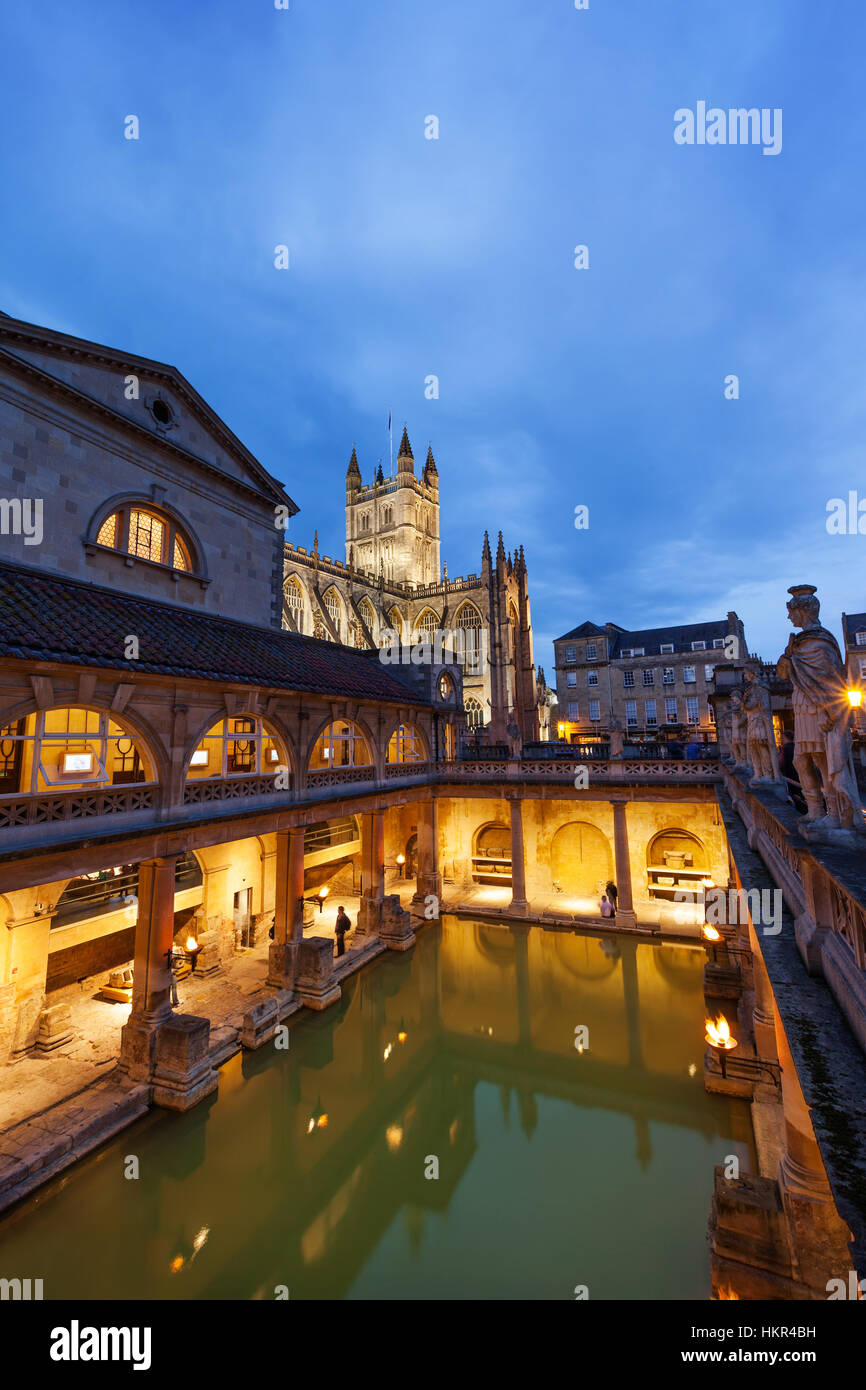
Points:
[(625, 913), (520, 937), (505, 1104), (631, 1001), (518, 860), (643, 1146), (528, 1107)]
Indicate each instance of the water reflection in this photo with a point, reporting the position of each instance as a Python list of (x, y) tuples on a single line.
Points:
[(435, 1135)]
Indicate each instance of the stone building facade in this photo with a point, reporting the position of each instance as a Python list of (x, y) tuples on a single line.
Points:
[(390, 583), (647, 680)]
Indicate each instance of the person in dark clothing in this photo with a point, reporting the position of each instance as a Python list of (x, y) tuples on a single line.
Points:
[(610, 888), (788, 770), (675, 748), (343, 925)]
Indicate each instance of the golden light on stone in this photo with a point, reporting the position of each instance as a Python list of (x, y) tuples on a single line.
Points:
[(177, 1264), (394, 1136)]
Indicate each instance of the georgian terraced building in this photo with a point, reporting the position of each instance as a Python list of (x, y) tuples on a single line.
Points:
[(392, 581)]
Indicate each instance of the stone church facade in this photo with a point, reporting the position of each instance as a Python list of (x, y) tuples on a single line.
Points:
[(391, 585)]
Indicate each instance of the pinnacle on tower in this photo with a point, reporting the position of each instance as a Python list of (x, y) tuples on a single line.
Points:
[(353, 471), (485, 551), (500, 550), (405, 450), (430, 465), (380, 476)]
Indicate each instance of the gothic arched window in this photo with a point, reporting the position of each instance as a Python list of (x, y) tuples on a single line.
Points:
[(294, 605), (474, 712)]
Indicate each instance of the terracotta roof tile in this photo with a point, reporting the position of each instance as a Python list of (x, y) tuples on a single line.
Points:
[(45, 618)]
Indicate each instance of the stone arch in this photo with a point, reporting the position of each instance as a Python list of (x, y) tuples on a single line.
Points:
[(145, 738), (491, 853), (122, 501), (266, 733), (406, 743), (581, 859), (376, 753)]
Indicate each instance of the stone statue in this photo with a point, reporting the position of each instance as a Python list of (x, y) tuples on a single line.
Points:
[(616, 738), (760, 737), (822, 723), (739, 747)]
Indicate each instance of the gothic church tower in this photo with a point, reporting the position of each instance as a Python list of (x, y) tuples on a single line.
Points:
[(392, 524)]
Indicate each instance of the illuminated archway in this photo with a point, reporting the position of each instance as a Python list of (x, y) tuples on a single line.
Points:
[(406, 745), (341, 744), (241, 745), (581, 861), (71, 747)]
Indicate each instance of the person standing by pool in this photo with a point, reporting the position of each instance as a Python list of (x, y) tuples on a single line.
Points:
[(342, 926), (605, 907), (612, 894)]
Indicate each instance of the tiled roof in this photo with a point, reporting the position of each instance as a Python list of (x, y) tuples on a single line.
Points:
[(585, 630), (44, 618)]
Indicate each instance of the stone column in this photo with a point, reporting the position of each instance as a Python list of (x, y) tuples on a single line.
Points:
[(428, 881), (625, 913), (518, 862), (154, 932), (372, 872), (288, 908)]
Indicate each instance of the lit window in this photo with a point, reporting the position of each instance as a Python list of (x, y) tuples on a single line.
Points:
[(294, 605), (474, 713), (446, 687), (341, 744), (692, 709), (239, 746), (147, 535), (406, 746), (468, 627), (69, 747)]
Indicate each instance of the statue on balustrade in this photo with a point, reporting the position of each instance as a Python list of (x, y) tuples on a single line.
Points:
[(739, 749), (822, 724), (763, 756), (616, 738)]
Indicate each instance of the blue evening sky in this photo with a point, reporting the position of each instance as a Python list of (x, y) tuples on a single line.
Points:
[(558, 387)]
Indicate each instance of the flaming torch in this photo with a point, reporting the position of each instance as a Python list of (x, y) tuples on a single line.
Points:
[(718, 1035)]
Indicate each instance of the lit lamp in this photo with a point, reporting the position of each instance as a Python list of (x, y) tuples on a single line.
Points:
[(401, 860), (318, 1119), (711, 937), (855, 697), (718, 1035), (402, 1035), (322, 894), (189, 951)]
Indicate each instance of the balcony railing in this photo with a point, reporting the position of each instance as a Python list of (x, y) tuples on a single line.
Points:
[(76, 805)]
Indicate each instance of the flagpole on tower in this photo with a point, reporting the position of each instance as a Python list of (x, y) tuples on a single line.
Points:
[(391, 441)]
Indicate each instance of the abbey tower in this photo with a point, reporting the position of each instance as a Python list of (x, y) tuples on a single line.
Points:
[(392, 524)]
